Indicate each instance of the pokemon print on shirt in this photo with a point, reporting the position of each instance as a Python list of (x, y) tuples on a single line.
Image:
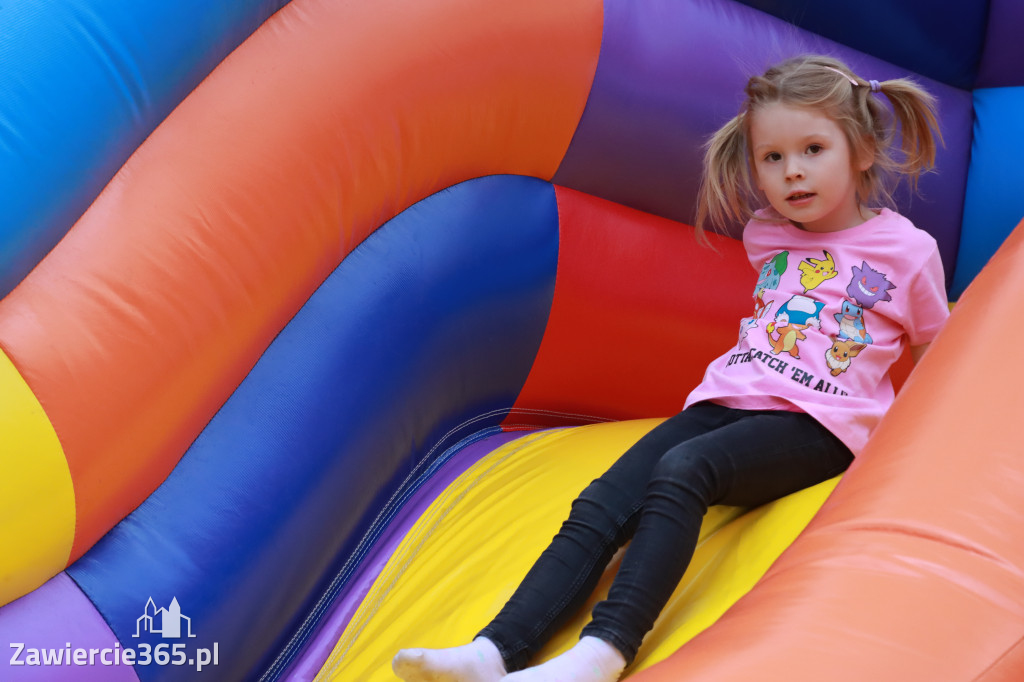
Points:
[(831, 312), (815, 271), (800, 312)]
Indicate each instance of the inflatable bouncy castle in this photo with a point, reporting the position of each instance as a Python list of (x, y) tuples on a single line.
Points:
[(317, 315)]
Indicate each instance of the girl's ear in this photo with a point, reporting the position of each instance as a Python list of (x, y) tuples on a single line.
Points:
[(866, 155)]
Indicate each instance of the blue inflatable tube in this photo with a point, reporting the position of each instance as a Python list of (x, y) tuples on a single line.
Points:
[(83, 83), (435, 319)]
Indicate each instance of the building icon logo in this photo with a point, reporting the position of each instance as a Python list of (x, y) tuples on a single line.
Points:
[(164, 622)]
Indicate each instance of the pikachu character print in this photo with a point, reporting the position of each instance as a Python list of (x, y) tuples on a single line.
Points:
[(814, 271)]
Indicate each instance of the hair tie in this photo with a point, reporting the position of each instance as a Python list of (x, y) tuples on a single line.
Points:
[(873, 84)]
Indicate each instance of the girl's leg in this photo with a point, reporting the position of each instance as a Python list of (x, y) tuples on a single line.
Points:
[(601, 520), (757, 458)]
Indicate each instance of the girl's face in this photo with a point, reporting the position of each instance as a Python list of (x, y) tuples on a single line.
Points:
[(803, 164)]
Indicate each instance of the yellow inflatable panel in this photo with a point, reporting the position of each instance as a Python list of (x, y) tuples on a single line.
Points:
[(37, 498), (467, 553)]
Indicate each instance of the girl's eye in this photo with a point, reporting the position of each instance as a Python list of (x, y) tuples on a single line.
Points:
[(814, 149), (772, 156)]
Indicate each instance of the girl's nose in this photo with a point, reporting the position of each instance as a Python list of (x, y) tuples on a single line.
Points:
[(794, 170)]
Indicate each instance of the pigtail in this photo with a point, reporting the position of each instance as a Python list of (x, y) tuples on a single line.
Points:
[(914, 110), (824, 84), (725, 187)]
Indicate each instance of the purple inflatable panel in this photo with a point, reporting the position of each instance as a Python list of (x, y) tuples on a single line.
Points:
[(671, 72), (61, 637)]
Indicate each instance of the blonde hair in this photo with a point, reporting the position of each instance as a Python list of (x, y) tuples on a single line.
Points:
[(825, 84)]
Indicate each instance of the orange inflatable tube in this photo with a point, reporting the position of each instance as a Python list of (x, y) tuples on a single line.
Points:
[(139, 324)]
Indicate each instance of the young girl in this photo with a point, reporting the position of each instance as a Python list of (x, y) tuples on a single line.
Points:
[(842, 287)]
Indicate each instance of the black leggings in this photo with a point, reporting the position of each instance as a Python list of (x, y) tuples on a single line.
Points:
[(657, 494)]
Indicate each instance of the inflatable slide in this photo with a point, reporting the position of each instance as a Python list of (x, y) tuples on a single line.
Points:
[(316, 315)]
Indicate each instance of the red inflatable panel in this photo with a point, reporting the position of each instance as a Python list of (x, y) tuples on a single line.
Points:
[(617, 295)]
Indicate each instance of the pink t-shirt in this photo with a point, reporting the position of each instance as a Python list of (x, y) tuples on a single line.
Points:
[(832, 313)]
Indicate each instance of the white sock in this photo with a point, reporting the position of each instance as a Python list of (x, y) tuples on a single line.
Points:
[(478, 661), (591, 660)]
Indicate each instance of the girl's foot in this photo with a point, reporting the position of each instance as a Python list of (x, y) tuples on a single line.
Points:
[(478, 661), (591, 660)]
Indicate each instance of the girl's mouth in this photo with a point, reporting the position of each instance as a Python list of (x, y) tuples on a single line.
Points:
[(799, 197)]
